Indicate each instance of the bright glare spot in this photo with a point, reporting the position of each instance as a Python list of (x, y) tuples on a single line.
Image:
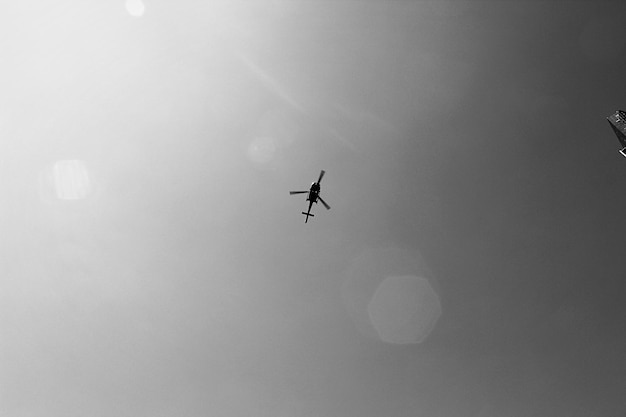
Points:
[(404, 309), (135, 8), (261, 150), (71, 180)]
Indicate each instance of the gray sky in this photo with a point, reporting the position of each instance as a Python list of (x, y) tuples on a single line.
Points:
[(152, 262)]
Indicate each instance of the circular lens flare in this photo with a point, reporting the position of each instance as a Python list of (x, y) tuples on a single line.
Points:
[(135, 8), (404, 309), (262, 150), (391, 295)]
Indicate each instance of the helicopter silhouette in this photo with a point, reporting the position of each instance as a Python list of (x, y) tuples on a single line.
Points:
[(313, 197)]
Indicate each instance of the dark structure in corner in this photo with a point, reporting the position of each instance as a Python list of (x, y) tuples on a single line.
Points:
[(618, 123)]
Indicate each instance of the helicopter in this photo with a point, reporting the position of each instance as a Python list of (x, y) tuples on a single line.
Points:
[(618, 122), (314, 196)]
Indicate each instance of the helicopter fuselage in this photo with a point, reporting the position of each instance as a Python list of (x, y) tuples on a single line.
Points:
[(314, 192), (313, 196)]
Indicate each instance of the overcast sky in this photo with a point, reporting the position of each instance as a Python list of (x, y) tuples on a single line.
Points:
[(152, 262)]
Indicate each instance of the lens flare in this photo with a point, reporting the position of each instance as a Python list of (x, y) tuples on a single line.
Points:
[(404, 309), (261, 150), (392, 295), (66, 180), (135, 8)]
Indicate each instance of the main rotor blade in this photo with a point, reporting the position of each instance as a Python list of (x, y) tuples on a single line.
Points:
[(321, 175), (323, 202), (297, 192)]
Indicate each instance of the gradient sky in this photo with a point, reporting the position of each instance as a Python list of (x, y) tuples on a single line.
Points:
[(152, 262)]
